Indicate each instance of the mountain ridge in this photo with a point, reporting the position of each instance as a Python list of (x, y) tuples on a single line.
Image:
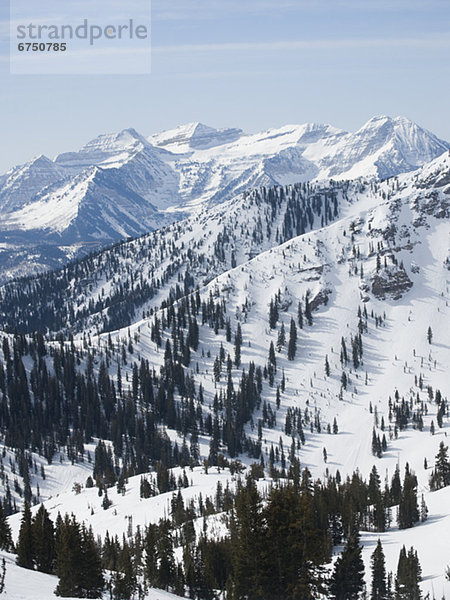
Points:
[(143, 183)]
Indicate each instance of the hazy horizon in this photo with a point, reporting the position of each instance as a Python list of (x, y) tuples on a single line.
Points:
[(255, 66)]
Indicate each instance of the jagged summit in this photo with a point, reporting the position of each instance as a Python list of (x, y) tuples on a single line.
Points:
[(108, 149), (194, 136), (189, 168)]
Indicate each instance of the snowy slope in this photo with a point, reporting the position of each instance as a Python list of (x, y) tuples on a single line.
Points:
[(133, 185), (385, 253), (23, 584), (412, 226)]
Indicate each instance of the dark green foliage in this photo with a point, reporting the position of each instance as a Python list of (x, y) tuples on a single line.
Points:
[(237, 345), (278, 550), (347, 581), (43, 541), (2, 576), (5, 531), (78, 563), (379, 583), (408, 576), (25, 547), (408, 510), (292, 344), (440, 477), (125, 580)]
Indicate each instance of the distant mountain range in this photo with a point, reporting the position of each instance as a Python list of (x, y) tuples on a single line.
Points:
[(122, 185), (289, 328)]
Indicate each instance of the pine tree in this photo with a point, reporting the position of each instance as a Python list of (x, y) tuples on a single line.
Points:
[(429, 335), (347, 580), (281, 338), (300, 315), (273, 314), (2, 576), (69, 558), (43, 541), (408, 576), (5, 531), (308, 313), (408, 510), (246, 539), (237, 345), (25, 549), (92, 582), (125, 581), (441, 475), (292, 344), (396, 486), (272, 358), (78, 562), (166, 561), (379, 585)]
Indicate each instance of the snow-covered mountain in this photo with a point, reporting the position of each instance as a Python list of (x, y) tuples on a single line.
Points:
[(371, 260), (122, 185)]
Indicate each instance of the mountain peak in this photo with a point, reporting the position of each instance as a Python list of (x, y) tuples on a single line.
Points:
[(194, 136), (105, 148)]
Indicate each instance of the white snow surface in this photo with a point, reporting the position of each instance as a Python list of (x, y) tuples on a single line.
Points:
[(408, 216), (194, 166)]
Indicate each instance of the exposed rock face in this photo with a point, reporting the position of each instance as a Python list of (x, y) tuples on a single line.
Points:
[(392, 284)]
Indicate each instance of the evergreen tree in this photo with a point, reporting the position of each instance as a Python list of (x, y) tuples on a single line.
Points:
[(43, 541), (308, 313), (246, 536), (281, 341), (237, 345), (408, 510), (25, 549), (300, 315), (379, 584), (92, 582), (125, 582), (408, 576), (273, 314), (166, 562), (5, 531), (78, 562), (68, 558), (292, 344), (441, 475), (396, 486), (347, 581)]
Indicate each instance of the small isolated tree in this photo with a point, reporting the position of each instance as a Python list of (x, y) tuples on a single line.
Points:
[(327, 366), (292, 345), (429, 335), (281, 341), (440, 477)]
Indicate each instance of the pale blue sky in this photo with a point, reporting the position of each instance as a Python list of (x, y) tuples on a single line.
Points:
[(252, 64)]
